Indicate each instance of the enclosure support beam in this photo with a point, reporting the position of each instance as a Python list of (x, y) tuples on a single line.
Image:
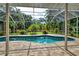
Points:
[(7, 30), (66, 14), (33, 12), (77, 27)]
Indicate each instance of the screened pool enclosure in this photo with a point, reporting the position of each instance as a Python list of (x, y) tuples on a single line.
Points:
[(54, 19)]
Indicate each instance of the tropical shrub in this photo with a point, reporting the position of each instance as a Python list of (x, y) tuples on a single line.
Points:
[(22, 32), (45, 32), (17, 31), (1, 33), (34, 28)]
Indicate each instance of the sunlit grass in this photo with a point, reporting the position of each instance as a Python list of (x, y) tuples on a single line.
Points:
[(39, 33)]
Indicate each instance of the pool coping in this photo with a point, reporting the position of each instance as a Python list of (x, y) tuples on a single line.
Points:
[(59, 35)]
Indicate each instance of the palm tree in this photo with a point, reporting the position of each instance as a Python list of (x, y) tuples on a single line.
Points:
[(72, 26), (52, 24)]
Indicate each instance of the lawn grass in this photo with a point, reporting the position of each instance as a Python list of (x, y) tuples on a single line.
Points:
[(32, 33), (28, 33), (39, 33)]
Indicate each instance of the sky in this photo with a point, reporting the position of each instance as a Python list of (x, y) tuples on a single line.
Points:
[(38, 12)]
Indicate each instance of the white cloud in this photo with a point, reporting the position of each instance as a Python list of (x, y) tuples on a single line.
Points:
[(38, 12)]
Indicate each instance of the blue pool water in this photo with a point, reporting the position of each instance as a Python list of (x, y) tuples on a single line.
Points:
[(37, 39)]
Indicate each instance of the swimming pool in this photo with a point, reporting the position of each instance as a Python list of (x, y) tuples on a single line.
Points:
[(37, 39)]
